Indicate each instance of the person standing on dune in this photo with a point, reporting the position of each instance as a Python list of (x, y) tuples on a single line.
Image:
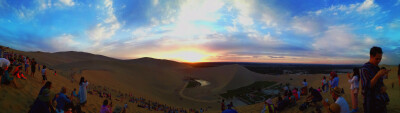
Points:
[(354, 81), (44, 74), (83, 91), (27, 61), (33, 67), (372, 83)]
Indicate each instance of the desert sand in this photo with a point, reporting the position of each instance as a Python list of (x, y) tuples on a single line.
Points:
[(157, 80)]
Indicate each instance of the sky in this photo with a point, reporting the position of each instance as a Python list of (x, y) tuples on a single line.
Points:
[(271, 31)]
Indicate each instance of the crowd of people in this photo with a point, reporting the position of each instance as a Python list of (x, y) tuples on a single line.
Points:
[(141, 102), (373, 90)]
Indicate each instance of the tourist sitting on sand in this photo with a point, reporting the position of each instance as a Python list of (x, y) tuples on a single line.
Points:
[(315, 96), (336, 94), (292, 99), (105, 108), (61, 100), (6, 79), (298, 93), (230, 105), (280, 104), (269, 107), (83, 91), (286, 99), (73, 93), (18, 73), (294, 93), (225, 111)]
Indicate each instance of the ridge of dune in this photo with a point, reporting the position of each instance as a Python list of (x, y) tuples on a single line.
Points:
[(151, 62)]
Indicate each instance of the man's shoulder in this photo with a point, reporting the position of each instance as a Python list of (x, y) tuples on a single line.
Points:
[(340, 100)]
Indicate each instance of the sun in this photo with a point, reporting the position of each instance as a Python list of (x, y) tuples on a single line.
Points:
[(190, 56), (187, 55)]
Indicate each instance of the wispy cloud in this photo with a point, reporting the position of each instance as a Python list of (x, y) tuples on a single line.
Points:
[(68, 2), (216, 30)]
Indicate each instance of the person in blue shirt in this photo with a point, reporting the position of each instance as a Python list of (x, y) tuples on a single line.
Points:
[(61, 100), (335, 80)]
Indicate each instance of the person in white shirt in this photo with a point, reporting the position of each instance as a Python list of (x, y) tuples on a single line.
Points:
[(83, 91), (336, 94), (354, 81)]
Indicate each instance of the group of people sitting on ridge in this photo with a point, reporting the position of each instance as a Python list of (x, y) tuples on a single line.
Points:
[(113, 95), (64, 103), (373, 90)]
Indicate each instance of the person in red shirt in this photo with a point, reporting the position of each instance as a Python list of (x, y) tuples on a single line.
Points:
[(17, 72)]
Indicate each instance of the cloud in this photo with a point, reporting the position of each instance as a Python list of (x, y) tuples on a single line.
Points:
[(378, 28), (266, 40), (367, 4), (397, 3), (276, 57), (245, 11), (155, 2), (340, 41), (64, 42), (108, 27), (307, 25), (68, 2), (25, 13), (44, 4)]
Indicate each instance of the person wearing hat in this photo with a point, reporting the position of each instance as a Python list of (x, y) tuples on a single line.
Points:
[(336, 94), (268, 107), (372, 83)]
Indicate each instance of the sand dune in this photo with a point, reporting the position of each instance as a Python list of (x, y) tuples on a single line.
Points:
[(158, 80)]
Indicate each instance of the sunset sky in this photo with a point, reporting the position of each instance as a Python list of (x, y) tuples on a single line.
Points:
[(275, 31)]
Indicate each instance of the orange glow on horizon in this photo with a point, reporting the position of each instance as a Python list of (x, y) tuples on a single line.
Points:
[(190, 55)]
